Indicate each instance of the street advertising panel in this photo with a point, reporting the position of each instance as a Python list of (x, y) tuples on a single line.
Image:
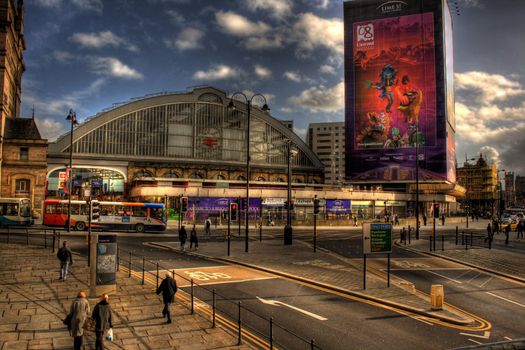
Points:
[(395, 96), (218, 204), (106, 259), (377, 238), (338, 206)]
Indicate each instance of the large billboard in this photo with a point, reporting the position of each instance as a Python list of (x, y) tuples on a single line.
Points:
[(396, 96)]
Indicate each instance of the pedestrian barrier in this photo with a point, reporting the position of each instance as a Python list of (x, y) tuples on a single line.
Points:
[(230, 313)]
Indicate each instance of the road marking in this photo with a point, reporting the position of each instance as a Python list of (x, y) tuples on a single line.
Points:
[(508, 338), (409, 264), (486, 335), (508, 300), (445, 277), (473, 278), (487, 281), (474, 341), (280, 303)]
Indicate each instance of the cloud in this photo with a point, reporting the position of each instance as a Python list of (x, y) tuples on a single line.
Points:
[(188, 39), (323, 4), (311, 32), (472, 3), (217, 72), (320, 99), (327, 69), (102, 39), (88, 5), (490, 154), (262, 72), (486, 88), (63, 56), (176, 17), (238, 25), (276, 8), (92, 5), (59, 106), (113, 67), (293, 76), (50, 128)]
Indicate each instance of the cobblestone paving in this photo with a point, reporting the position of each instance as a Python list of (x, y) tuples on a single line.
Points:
[(33, 302)]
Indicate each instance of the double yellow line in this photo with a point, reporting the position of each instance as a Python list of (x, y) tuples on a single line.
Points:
[(201, 306)]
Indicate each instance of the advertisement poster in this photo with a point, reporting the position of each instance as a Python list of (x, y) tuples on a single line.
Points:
[(395, 92), (338, 206), (106, 259), (218, 204)]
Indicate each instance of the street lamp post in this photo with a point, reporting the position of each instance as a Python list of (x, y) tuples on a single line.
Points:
[(265, 108), (467, 183), (288, 231), (501, 205), (72, 117)]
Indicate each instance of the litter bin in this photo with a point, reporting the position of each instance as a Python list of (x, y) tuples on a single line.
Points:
[(437, 296)]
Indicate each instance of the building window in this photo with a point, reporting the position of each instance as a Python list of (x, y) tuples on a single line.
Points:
[(24, 153), (22, 185)]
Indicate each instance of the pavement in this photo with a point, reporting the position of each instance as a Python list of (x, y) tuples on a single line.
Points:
[(325, 269), (506, 260), (33, 303)]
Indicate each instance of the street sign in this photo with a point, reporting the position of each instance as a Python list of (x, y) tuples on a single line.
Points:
[(377, 238)]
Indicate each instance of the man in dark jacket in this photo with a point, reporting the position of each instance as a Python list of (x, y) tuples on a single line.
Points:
[(168, 288), (66, 258), (182, 237), (102, 317)]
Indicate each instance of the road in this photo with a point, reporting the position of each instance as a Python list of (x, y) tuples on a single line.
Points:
[(332, 319)]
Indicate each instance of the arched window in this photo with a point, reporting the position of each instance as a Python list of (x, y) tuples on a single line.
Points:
[(280, 179), (171, 175), (297, 180), (209, 97), (313, 181), (143, 173), (260, 178), (196, 175), (220, 177), (241, 178)]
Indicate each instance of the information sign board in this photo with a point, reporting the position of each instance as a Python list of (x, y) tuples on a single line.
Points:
[(377, 238)]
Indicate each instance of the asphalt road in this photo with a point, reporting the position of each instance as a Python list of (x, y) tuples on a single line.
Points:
[(349, 323)]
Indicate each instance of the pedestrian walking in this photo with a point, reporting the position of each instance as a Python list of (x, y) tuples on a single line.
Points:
[(396, 220), (489, 233), (66, 259), (207, 227), (355, 220), (78, 313), (193, 238), (507, 233), (182, 237), (103, 323), (425, 219), (442, 219), (495, 227), (521, 228), (168, 288)]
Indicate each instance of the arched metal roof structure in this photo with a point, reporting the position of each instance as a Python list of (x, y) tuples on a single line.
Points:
[(188, 127)]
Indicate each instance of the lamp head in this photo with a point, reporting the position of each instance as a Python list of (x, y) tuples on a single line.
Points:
[(231, 106), (265, 108)]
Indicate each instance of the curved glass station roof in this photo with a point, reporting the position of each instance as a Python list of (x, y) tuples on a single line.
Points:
[(195, 126)]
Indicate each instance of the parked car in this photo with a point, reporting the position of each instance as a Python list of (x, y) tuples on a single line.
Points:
[(512, 222)]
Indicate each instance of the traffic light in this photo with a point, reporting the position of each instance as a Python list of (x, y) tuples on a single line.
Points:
[(233, 211), (436, 210), (95, 210), (184, 204), (316, 206)]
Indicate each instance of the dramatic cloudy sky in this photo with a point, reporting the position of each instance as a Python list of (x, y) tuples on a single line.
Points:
[(88, 54)]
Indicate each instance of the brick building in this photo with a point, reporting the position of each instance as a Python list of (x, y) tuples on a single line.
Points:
[(23, 152)]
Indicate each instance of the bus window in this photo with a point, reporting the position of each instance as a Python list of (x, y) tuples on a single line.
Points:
[(51, 208), (139, 212), (156, 213), (75, 209), (107, 210), (84, 209), (12, 209)]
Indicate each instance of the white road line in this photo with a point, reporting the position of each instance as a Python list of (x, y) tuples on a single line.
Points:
[(464, 273), (475, 341), (486, 335), (473, 278), (229, 281), (448, 278), (280, 303), (507, 300), (508, 338), (487, 281)]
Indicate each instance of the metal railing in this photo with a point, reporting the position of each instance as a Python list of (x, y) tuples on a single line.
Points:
[(443, 240), (46, 237), (231, 313)]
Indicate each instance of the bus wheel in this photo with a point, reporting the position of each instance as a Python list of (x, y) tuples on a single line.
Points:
[(139, 228), (80, 226)]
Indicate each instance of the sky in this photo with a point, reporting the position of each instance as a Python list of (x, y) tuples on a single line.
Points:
[(87, 55)]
